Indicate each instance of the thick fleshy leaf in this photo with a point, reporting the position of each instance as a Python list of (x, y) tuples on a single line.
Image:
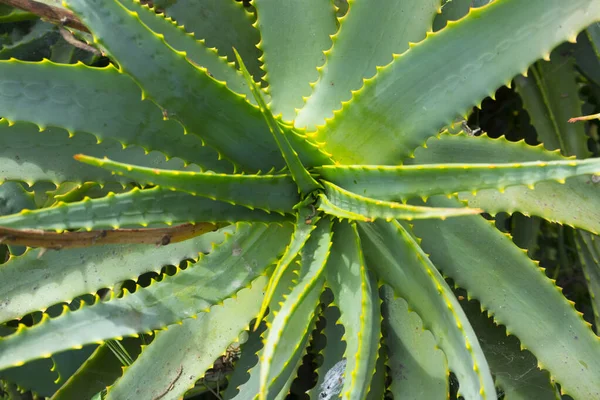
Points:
[(356, 296), (268, 192), (306, 183), (433, 82), (399, 261), (307, 28), (100, 101), (228, 268), (24, 155), (101, 368), (344, 204), (204, 106), (147, 207), (403, 182), (589, 250), (291, 322), (519, 295), (196, 51), (223, 25), (303, 228), (37, 282), (574, 203), (33, 46), (418, 368), (515, 370), (356, 51), (550, 95), (180, 355)]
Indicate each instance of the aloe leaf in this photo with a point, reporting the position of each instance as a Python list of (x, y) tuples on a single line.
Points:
[(59, 276), (519, 295), (418, 368), (23, 155), (398, 261), (280, 24), (378, 386), (573, 203), (430, 84), (223, 25), (451, 10), (97, 372), (155, 207), (356, 52), (550, 95), (301, 176), (403, 182), (100, 101), (196, 51), (515, 370), (45, 376), (345, 204), (589, 251), (245, 381), (302, 230), (34, 46), (333, 348), (269, 192), (356, 296), (180, 355), (240, 259), (291, 322), (204, 106), (11, 14)]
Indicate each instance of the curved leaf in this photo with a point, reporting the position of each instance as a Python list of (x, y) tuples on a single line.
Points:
[(519, 295), (432, 83), (269, 192), (177, 357), (355, 294), (399, 261), (356, 52), (344, 204), (147, 207), (233, 265)]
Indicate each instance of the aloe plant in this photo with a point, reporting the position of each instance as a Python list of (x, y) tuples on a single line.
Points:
[(306, 178)]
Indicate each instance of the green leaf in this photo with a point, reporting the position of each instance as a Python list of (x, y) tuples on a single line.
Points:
[(418, 368), (429, 85), (306, 183), (519, 295), (37, 282), (222, 25), (147, 207), (196, 51), (550, 95), (204, 106), (290, 324), (34, 46), (356, 296), (280, 24), (399, 261), (269, 192), (334, 347), (180, 355), (100, 370), (344, 204), (24, 150), (230, 267), (302, 230), (451, 10), (356, 51), (589, 251), (515, 370), (574, 203), (378, 387), (424, 180), (100, 101)]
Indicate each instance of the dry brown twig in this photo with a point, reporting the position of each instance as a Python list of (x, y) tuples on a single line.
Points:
[(56, 15), (64, 240)]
